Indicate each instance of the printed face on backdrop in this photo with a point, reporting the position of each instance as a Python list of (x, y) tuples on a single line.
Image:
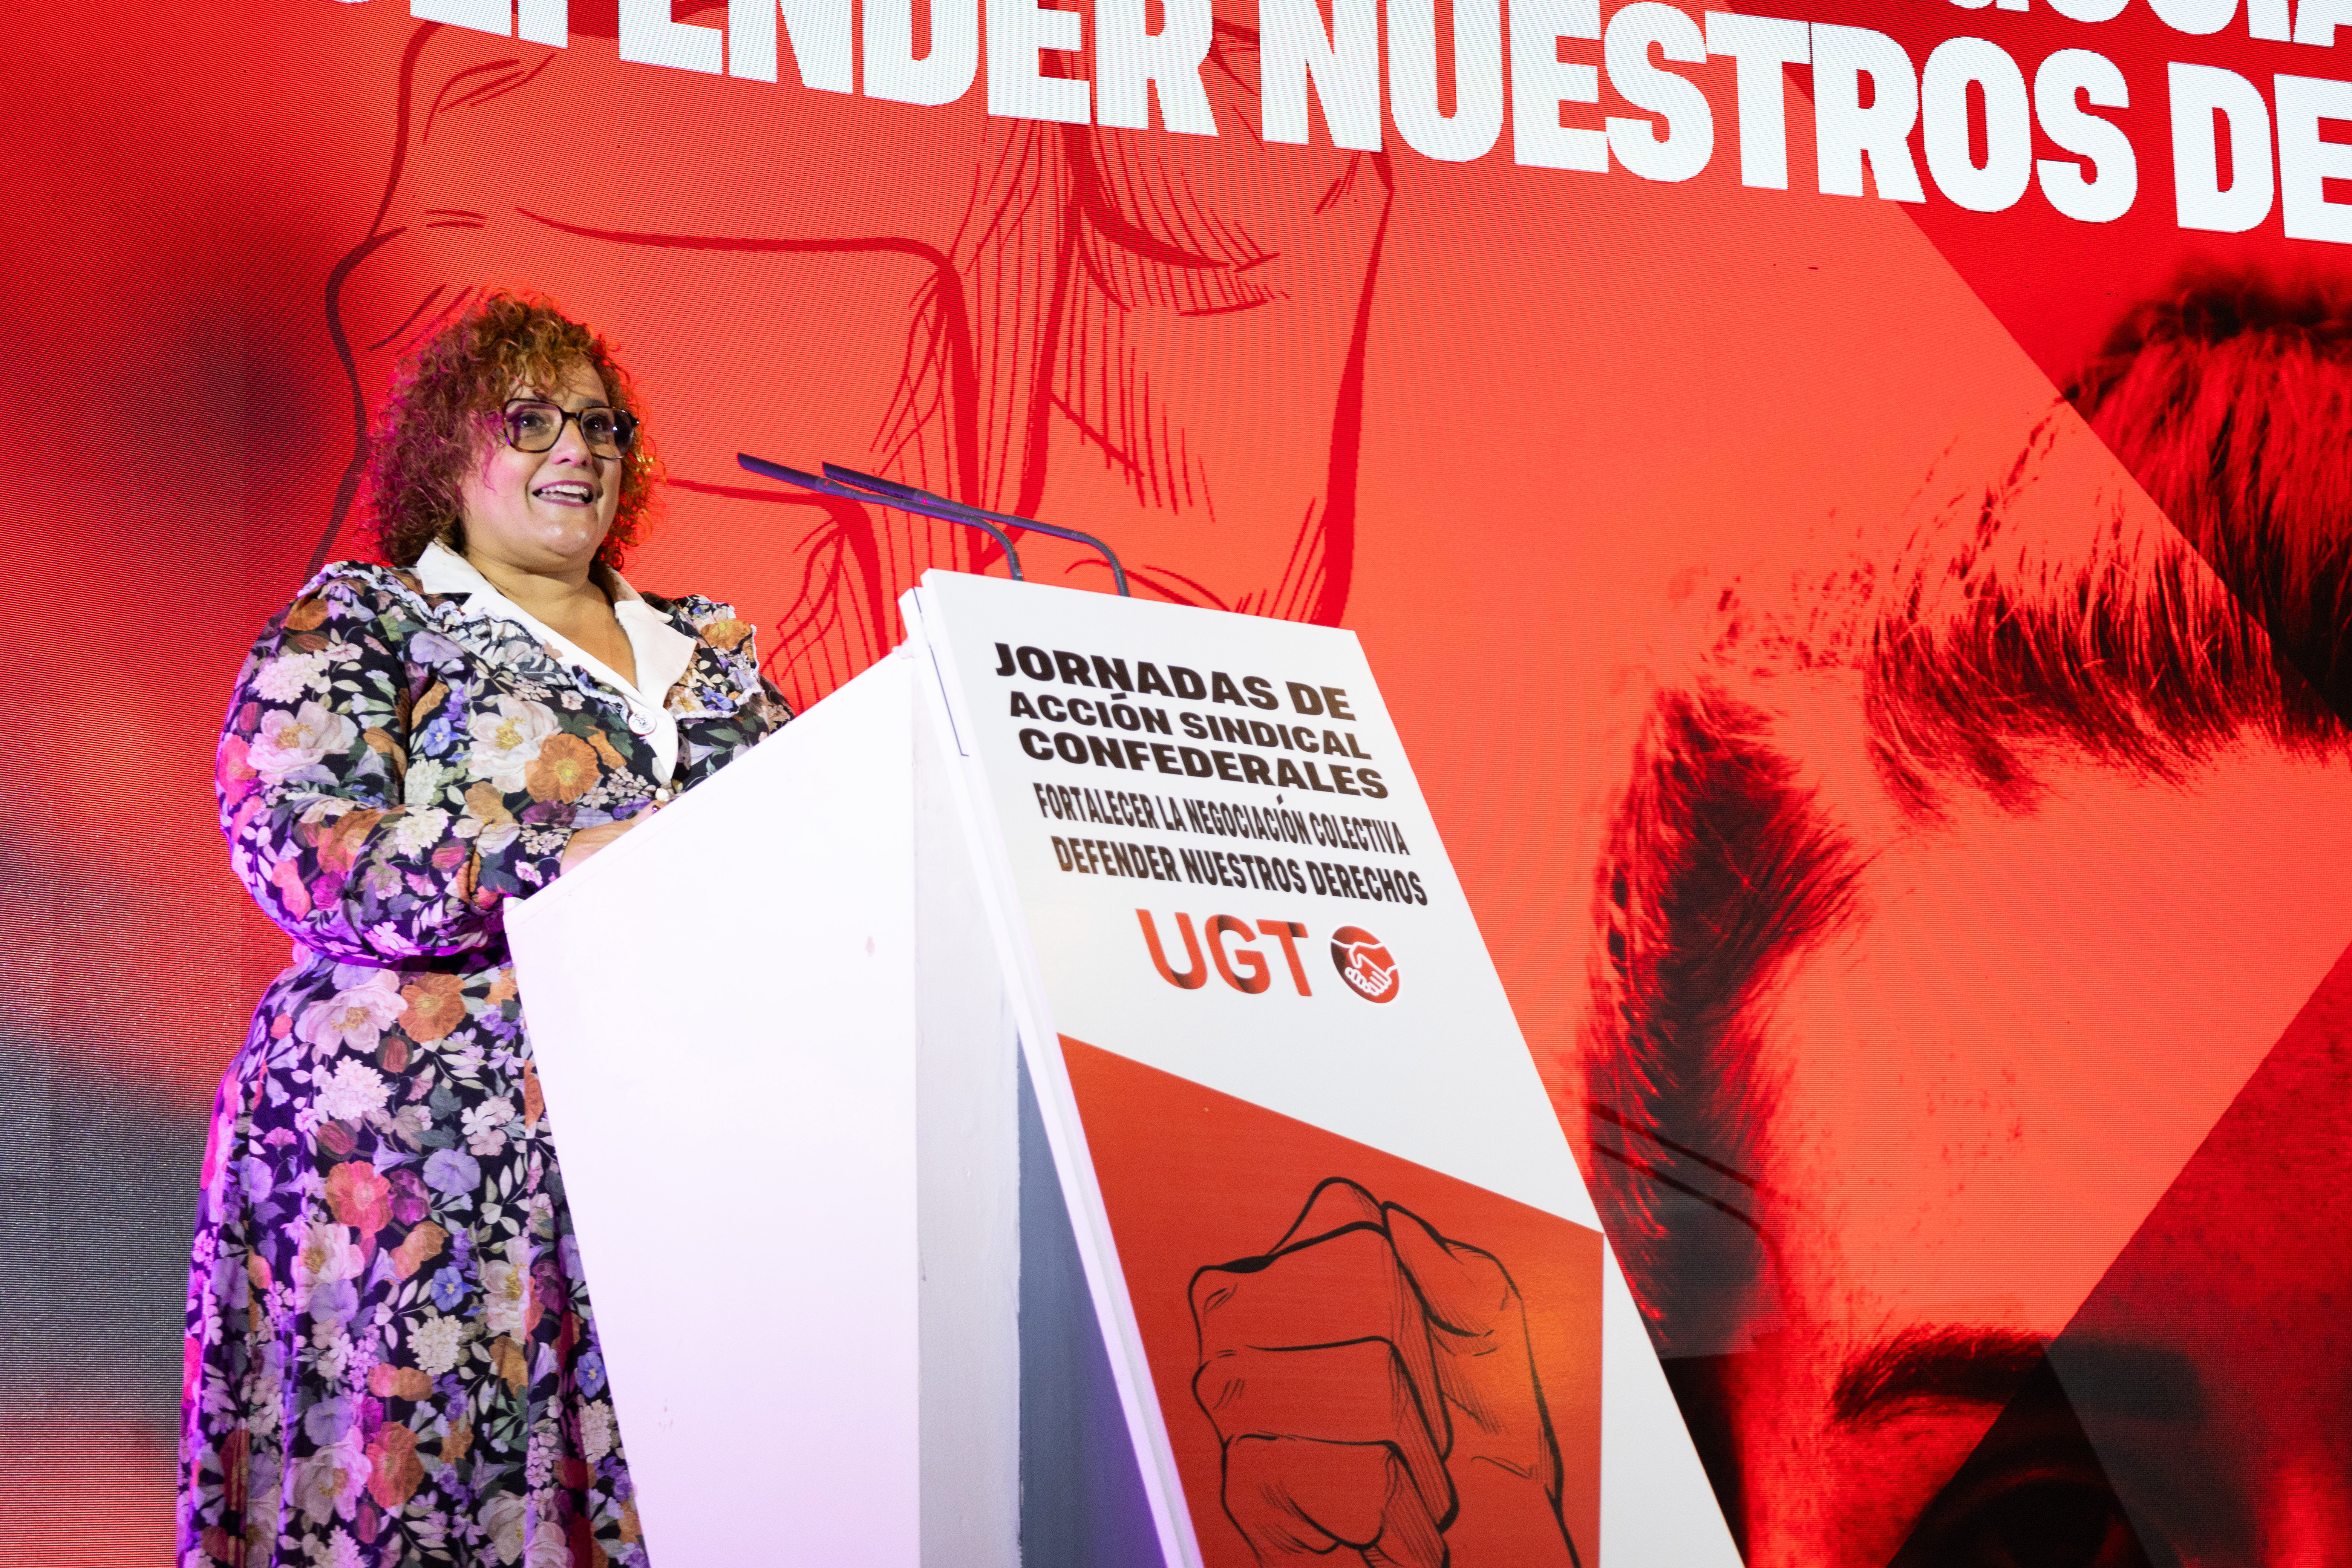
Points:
[(2033, 1021), (1971, 1162), (1154, 337)]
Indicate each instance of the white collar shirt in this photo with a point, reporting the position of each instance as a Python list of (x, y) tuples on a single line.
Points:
[(662, 651)]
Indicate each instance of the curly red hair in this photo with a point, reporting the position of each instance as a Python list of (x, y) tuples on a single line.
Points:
[(444, 406)]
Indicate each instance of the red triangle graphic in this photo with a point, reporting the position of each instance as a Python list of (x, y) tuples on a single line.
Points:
[(2193, 1411)]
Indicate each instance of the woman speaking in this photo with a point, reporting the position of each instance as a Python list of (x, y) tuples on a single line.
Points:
[(390, 1353)]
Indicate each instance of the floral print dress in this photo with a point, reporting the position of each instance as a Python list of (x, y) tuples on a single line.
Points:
[(391, 1358)]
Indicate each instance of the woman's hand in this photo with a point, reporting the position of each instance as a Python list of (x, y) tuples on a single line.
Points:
[(588, 840)]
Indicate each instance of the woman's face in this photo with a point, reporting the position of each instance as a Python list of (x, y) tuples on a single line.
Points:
[(543, 511)]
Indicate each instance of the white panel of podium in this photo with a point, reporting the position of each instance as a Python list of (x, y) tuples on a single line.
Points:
[(780, 1072)]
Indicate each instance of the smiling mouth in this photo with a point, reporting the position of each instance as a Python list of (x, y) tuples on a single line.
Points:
[(567, 494)]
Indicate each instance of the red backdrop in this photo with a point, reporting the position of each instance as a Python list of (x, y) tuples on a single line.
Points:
[(1516, 426)]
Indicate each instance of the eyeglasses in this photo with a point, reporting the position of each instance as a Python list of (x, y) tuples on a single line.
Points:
[(534, 425)]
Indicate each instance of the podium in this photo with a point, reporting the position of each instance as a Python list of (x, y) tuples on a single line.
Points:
[(1051, 1104)]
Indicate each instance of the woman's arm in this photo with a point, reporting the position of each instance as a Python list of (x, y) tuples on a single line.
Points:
[(731, 705), (344, 786)]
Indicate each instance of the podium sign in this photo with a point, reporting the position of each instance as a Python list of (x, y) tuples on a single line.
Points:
[(1353, 1294)]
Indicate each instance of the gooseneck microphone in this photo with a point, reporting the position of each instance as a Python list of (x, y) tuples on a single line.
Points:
[(850, 484)]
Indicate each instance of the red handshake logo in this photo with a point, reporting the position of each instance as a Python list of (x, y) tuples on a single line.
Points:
[(1360, 958)]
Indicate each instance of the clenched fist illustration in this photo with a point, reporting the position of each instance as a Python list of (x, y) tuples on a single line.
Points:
[(1371, 1385)]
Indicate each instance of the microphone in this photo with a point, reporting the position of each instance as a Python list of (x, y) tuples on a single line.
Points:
[(901, 494), (852, 485), (946, 512)]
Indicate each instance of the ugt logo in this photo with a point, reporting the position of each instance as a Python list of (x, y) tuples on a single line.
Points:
[(1231, 948), (1364, 964)]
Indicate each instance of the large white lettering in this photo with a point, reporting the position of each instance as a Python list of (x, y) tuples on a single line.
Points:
[(943, 75), (1541, 82), (1019, 34), (1762, 46), (1955, 66), (545, 22), (2066, 79), (481, 16), (1368, 62), (1845, 132), (2305, 163), (1689, 139), (2200, 93), (650, 38), (1131, 64), (1343, 65), (2315, 21), (2196, 18), (2089, 10), (1477, 122), (819, 32)]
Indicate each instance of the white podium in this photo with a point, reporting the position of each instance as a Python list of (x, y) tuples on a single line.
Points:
[(1175, 862)]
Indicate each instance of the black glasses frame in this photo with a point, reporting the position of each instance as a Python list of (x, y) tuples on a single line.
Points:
[(625, 426)]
